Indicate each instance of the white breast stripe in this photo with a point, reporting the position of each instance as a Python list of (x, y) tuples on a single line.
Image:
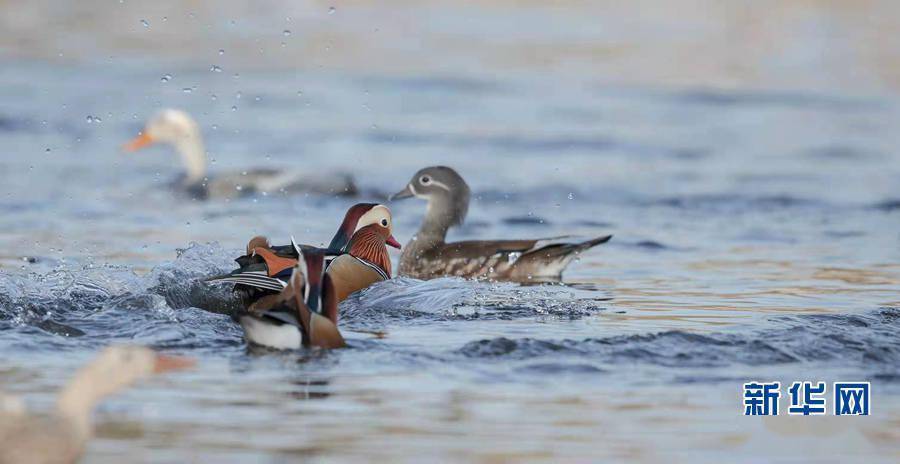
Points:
[(376, 268)]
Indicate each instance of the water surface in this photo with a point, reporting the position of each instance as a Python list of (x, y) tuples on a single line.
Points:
[(755, 232)]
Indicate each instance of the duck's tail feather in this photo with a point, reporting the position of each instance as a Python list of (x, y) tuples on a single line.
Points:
[(563, 248), (593, 242), (550, 261)]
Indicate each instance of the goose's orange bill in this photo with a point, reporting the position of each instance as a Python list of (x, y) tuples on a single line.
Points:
[(165, 363), (138, 142)]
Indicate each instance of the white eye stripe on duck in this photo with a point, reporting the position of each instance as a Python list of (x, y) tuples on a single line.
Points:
[(376, 215), (412, 188), (441, 185), (431, 181)]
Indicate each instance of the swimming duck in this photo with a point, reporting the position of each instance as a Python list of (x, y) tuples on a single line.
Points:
[(265, 269), (26, 439), (301, 315), (428, 256), (178, 129), (305, 312)]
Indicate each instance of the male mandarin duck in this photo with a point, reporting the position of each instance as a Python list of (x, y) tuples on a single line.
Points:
[(428, 256), (178, 129), (264, 271), (62, 437), (305, 312)]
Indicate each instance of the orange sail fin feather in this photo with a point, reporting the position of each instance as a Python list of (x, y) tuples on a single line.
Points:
[(275, 264)]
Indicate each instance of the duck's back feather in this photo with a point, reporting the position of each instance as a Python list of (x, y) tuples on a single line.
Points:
[(518, 260)]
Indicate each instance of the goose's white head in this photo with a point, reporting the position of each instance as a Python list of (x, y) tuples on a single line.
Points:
[(180, 130)]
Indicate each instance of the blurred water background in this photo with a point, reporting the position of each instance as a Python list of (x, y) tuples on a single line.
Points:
[(744, 154)]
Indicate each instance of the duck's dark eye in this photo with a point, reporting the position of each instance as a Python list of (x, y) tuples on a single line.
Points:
[(384, 222), (425, 180)]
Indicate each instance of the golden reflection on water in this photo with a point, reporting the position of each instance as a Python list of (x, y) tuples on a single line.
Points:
[(703, 294)]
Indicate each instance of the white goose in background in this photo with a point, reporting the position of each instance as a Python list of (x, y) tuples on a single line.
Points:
[(178, 129), (62, 437)]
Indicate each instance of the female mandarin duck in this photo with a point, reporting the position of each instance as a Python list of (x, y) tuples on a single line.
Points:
[(178, 129), (26, 439), (428, 256), (304, 311)]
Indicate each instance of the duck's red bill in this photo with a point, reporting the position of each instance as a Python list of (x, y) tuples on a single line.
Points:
[(392, 242)]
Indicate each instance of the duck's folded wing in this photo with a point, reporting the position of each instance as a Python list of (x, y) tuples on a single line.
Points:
[(515, 248), (484, 257)]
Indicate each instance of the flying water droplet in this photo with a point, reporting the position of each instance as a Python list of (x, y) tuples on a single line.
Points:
[(166, 78), (234, 108), (571, 196), (215, 68), (287, 32), (145, 23), (221, 51), (331, 10), (187, 90)]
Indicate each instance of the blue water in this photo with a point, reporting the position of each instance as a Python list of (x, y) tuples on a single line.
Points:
[(755, 238)]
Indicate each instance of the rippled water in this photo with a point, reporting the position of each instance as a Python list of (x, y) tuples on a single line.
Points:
[(756, 238)]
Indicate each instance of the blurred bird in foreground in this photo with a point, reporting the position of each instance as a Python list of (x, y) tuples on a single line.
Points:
[(61, 438)]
